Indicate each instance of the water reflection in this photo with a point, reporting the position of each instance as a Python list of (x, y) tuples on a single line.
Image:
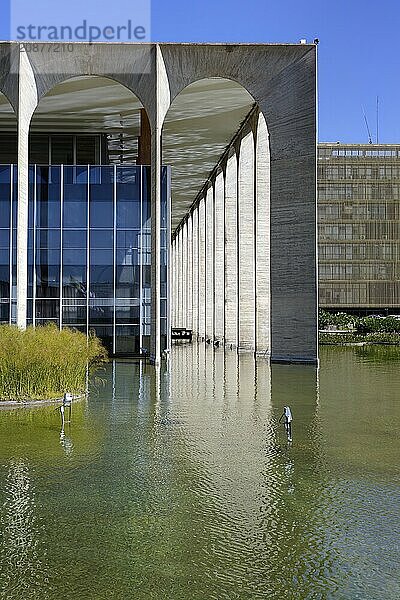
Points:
[(180, 483), (24, 572)]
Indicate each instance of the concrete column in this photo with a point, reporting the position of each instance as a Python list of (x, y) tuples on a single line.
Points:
[(27, 102), (195, 273), (189, 266), (246, 244), (155, 334), (173, 285), (263, 288), (179, 277), (209, 256), (202, 269), (219, 259), (290, 109), (184, 274), (159, 109), (231, 253)]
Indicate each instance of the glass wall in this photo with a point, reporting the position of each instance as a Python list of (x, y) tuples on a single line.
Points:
[(89, 251)]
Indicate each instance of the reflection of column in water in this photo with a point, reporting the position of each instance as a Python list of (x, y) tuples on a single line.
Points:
[(22, 568), (66, 443)]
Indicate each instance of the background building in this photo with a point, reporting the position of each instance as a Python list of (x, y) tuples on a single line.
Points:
[(359, 227)]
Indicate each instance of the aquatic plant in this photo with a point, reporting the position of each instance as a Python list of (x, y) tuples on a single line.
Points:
[(44, 362)]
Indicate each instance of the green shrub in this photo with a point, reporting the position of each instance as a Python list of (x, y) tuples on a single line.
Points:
[(340, 320), (43, 362), (351, 338)]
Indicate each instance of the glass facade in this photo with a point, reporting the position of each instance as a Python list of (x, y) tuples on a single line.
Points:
[(359, 226), (89, 251)]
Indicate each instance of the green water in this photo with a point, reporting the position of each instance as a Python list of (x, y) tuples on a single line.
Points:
[(179, 485)]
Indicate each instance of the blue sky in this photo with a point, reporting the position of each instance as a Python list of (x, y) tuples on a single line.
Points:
[(359, 53)]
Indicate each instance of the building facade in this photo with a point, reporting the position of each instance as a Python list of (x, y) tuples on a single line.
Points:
[(359, 227), (85, 243)]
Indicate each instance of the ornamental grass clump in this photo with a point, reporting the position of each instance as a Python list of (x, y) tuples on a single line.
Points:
[(43, 362)]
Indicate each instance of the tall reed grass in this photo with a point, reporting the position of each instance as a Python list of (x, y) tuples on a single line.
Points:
[(43, 363)]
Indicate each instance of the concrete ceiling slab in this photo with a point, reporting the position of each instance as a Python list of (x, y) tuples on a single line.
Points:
[(199, 124)]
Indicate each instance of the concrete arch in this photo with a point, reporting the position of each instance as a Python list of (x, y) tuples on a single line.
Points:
[(135, 68), (200, 61)]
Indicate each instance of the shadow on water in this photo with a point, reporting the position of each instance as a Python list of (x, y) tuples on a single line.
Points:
[(179, 483)]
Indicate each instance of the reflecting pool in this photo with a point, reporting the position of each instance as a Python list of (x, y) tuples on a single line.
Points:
[(180, 484)]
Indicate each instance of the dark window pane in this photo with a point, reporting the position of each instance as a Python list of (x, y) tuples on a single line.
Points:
[(75, 239), (128, 214), (101, 206), (127, 340), (39, 149), (48, 238), (47, 309), (74, 256), (74, 281), (4, 238), (98, 313), (74, 314), (101, 238), (62, 150), (5, 205), (8, 148), (87, 150), (127, 314), (128, 282), (4, 311), (128, 238), (105, 333)]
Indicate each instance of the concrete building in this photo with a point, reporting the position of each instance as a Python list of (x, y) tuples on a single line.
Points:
[(359, 227), (88, 221)]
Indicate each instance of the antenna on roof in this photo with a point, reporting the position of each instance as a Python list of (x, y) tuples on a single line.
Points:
[(366, 123), (377, 119)]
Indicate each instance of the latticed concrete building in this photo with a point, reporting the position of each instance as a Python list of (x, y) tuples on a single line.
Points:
[(359, 227)]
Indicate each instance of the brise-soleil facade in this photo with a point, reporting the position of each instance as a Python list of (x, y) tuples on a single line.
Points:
[(359, 227)]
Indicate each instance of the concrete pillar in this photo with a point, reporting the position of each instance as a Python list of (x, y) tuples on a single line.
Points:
[(184, 274), (231, 253), (246, 244), (174, 285), (179, 277), (189, 267), (209, 256), (219, 259), (160, 107), (263, 288), (202, 269), (27, 103), (195, 272), (290, 110), (155, 333)]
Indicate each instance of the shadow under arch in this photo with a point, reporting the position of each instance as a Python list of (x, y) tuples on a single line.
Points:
[(211, 129), (201, 124), (94, 104)]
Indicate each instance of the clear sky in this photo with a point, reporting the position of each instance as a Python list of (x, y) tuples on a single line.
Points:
[(359, 50)]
